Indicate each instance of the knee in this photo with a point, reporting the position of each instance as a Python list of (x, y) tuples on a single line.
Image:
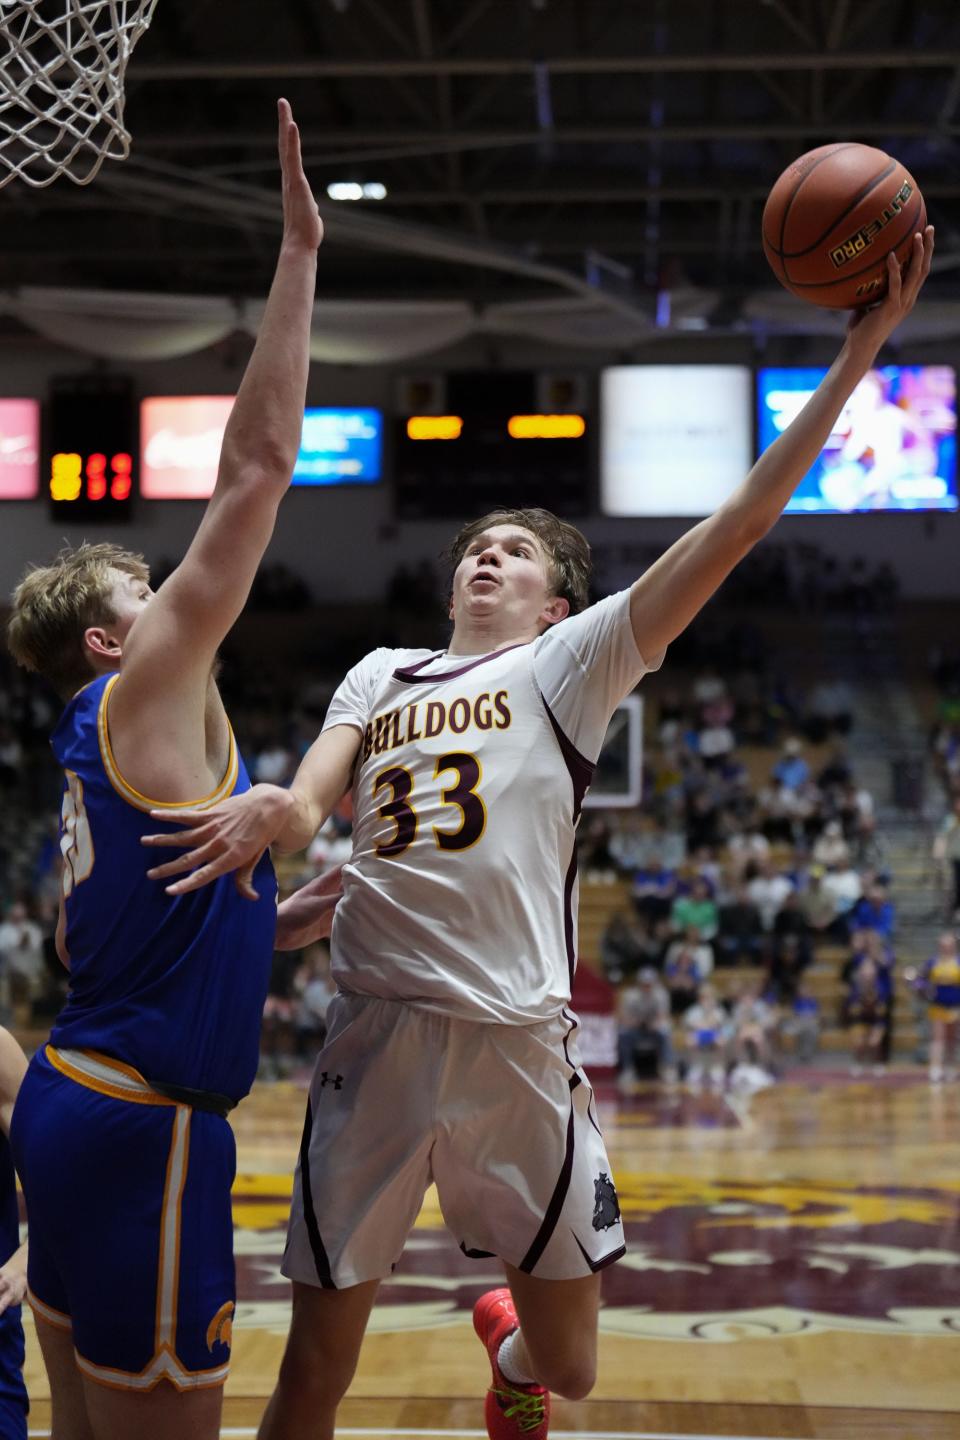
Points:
[(572, 1377), (317, 1385)]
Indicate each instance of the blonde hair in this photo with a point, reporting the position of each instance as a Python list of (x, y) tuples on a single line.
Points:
[(55, 604), (566, 549)]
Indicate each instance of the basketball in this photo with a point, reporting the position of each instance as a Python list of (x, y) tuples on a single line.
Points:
[(833, 217)]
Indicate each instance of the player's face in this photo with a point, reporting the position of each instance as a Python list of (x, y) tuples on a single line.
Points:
[(505, 573), (128, 599)]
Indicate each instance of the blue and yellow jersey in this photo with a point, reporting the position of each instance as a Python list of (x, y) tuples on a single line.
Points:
[(172, 985), (943, 980)]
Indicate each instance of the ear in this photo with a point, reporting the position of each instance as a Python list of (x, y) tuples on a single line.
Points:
[(556, 608), (101, 645)]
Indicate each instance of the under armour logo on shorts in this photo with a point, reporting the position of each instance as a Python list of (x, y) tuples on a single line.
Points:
[(335, 1080)]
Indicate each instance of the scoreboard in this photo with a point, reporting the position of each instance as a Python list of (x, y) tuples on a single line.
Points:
[(493, 446), (91, 443)]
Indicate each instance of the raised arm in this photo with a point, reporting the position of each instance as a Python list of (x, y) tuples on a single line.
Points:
[(168, 653), (668, 596)]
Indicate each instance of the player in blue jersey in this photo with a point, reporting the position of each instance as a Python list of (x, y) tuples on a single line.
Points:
[(120, 1133), (13, 1255), (450, 1054)]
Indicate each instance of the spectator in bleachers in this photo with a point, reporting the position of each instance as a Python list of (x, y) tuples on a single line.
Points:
[(875, 911), (598, 863), (829, 710), (706, 1031), (836, 770), (633, 841), (787, 964), (714, 743), (946, 850), (682, 978), (654, 888), (22, 967), (643, 1015), (747, 848), (801, 1024), (314, 990), (831, 847), (622, 946), (792, 768), (843, 883), (819, 904), (780, 810), (695, 912), (768, 889), (867, 1012), (690, 943), (274, 765), (703, 819), (753, 1021), (740, 933)]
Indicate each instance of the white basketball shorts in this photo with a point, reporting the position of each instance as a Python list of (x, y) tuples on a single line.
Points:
[(500, 1117)]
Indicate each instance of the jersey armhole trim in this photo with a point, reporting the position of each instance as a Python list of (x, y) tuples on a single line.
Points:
[(143, 802)]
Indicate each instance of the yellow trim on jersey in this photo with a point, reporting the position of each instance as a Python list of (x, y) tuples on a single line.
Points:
[(143, 802), (168, 1269), (89, 1068), (163, 1366), (57, 1318)]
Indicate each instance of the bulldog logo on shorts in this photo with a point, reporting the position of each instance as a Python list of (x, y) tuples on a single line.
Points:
[(606, 1206)]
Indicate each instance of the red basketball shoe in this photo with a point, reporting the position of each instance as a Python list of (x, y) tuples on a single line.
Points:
[(511, 1411)]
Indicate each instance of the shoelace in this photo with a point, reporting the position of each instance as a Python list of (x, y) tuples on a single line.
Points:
[(528, 1409)]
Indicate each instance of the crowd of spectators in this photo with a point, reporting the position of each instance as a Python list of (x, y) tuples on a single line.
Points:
[(737, 874)]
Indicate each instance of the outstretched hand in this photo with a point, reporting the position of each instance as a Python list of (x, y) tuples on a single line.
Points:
[(301, 218), (230, 836), (307, 914), (870, 328)]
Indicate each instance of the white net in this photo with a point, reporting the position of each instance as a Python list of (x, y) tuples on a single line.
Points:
[(62, 68)]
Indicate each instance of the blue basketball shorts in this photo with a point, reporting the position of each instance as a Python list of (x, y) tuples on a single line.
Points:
[(13, 1392), (131, 1236)]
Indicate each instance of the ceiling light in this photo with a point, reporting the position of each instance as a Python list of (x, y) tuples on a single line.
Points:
[(345, 190), (353, 190)]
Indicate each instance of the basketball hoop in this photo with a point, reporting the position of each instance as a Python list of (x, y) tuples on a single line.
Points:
[(62, 68)]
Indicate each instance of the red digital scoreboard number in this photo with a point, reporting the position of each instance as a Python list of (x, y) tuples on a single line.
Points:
[(91, 445), (93, 477)]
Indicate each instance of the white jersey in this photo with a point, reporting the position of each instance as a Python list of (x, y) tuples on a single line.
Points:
[(461, 893)]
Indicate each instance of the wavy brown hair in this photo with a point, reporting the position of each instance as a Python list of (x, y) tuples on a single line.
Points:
[(567, 550)]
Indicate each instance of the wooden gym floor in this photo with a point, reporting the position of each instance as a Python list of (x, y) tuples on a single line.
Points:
[(793, 1270)]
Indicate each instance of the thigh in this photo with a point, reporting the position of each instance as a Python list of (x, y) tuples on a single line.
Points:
[(520, 1163), (364, 1162), (163, 1413), (68, 1403)]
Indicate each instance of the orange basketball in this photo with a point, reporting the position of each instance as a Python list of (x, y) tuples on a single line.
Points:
[(833, 217)]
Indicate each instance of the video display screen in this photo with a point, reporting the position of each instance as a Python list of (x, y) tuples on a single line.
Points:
[(19, 449), (894, 446), (182, 435), (340, 447), (180, 440), (675, 439)]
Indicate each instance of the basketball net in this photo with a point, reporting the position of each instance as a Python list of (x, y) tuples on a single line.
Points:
[(62, 67)]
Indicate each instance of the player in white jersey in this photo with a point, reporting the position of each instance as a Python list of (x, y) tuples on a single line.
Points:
[(451, 1050)]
